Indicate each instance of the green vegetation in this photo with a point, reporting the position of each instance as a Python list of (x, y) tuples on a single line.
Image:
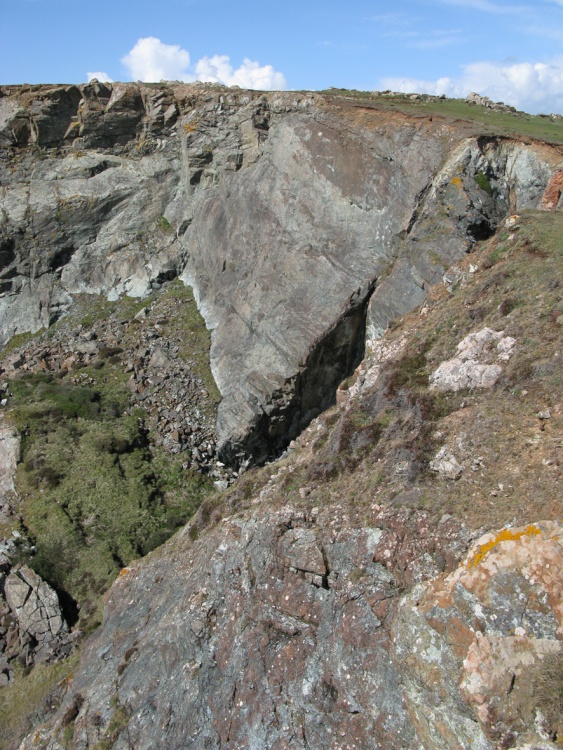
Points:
[(95, 495), (90, 496), (18, 340), (164, 225), (22, 701), (408, 372), (486, 121), (483, 181)]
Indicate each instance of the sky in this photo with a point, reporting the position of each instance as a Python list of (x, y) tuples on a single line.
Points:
[(509, 51)]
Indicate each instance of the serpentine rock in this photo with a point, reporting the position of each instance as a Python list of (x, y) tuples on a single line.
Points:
[(278, 630), (301, 221)]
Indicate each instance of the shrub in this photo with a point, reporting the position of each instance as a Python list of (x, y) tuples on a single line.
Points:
[(483, 182), (93, 498), (408, 372), (164, 225)]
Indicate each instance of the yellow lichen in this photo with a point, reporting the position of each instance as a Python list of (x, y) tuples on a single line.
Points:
[(505, 535), (456, 181)]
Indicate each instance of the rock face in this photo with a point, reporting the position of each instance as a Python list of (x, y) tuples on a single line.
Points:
[(495, 620), (32, 626), (288, 642), (9, 456), (282, 210)]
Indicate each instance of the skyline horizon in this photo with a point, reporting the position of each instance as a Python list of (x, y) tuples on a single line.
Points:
[(508, 51)]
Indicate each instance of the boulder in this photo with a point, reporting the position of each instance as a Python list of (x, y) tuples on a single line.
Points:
[(477, 362), (445, 464), (35, 605)]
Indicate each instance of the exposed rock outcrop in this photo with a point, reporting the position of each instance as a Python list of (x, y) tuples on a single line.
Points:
[(288, 643), (477, 362), (283, 211), (346, 596), (495, 620), (9, 457), (32, 626)]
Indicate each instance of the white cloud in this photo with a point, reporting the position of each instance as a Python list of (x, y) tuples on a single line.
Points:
[(151, 60), (100, 75), (250, 75), (533, 87)]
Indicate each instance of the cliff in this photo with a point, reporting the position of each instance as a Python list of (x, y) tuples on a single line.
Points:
[(394, 578), (283, 211)]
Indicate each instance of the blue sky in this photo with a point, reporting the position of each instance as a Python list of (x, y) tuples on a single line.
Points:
[(510, 51)]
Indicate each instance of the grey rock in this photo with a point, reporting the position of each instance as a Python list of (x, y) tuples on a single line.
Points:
[(477, 362), (34, 604), (9, 457), (299, 224), (237, 649), (234, 645), (446, 465), (302, 552)]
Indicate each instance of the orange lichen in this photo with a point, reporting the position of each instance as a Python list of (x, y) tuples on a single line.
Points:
[(124, 571), (506, 535), (457, 181)]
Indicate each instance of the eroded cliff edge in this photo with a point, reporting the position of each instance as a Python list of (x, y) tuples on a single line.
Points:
[(284, 211), (388, 583), (346, 595)]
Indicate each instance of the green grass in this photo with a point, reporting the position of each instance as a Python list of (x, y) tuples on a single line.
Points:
[(26, 695), (94, 496), (17, 340), (486, 120), (90, 498), (483, 181), (164, 225)]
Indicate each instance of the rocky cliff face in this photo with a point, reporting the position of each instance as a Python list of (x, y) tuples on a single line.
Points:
[(387, 584), (390, 581), (283, 211), (289, 631)]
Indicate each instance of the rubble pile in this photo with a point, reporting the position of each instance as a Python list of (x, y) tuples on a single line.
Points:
[(161, 378)]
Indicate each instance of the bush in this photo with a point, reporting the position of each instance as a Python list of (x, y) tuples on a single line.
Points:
[(483, 182), (408, 372)]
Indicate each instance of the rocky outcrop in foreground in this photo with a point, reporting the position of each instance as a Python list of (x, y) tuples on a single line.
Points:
[(387, 582), (300, 637)]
